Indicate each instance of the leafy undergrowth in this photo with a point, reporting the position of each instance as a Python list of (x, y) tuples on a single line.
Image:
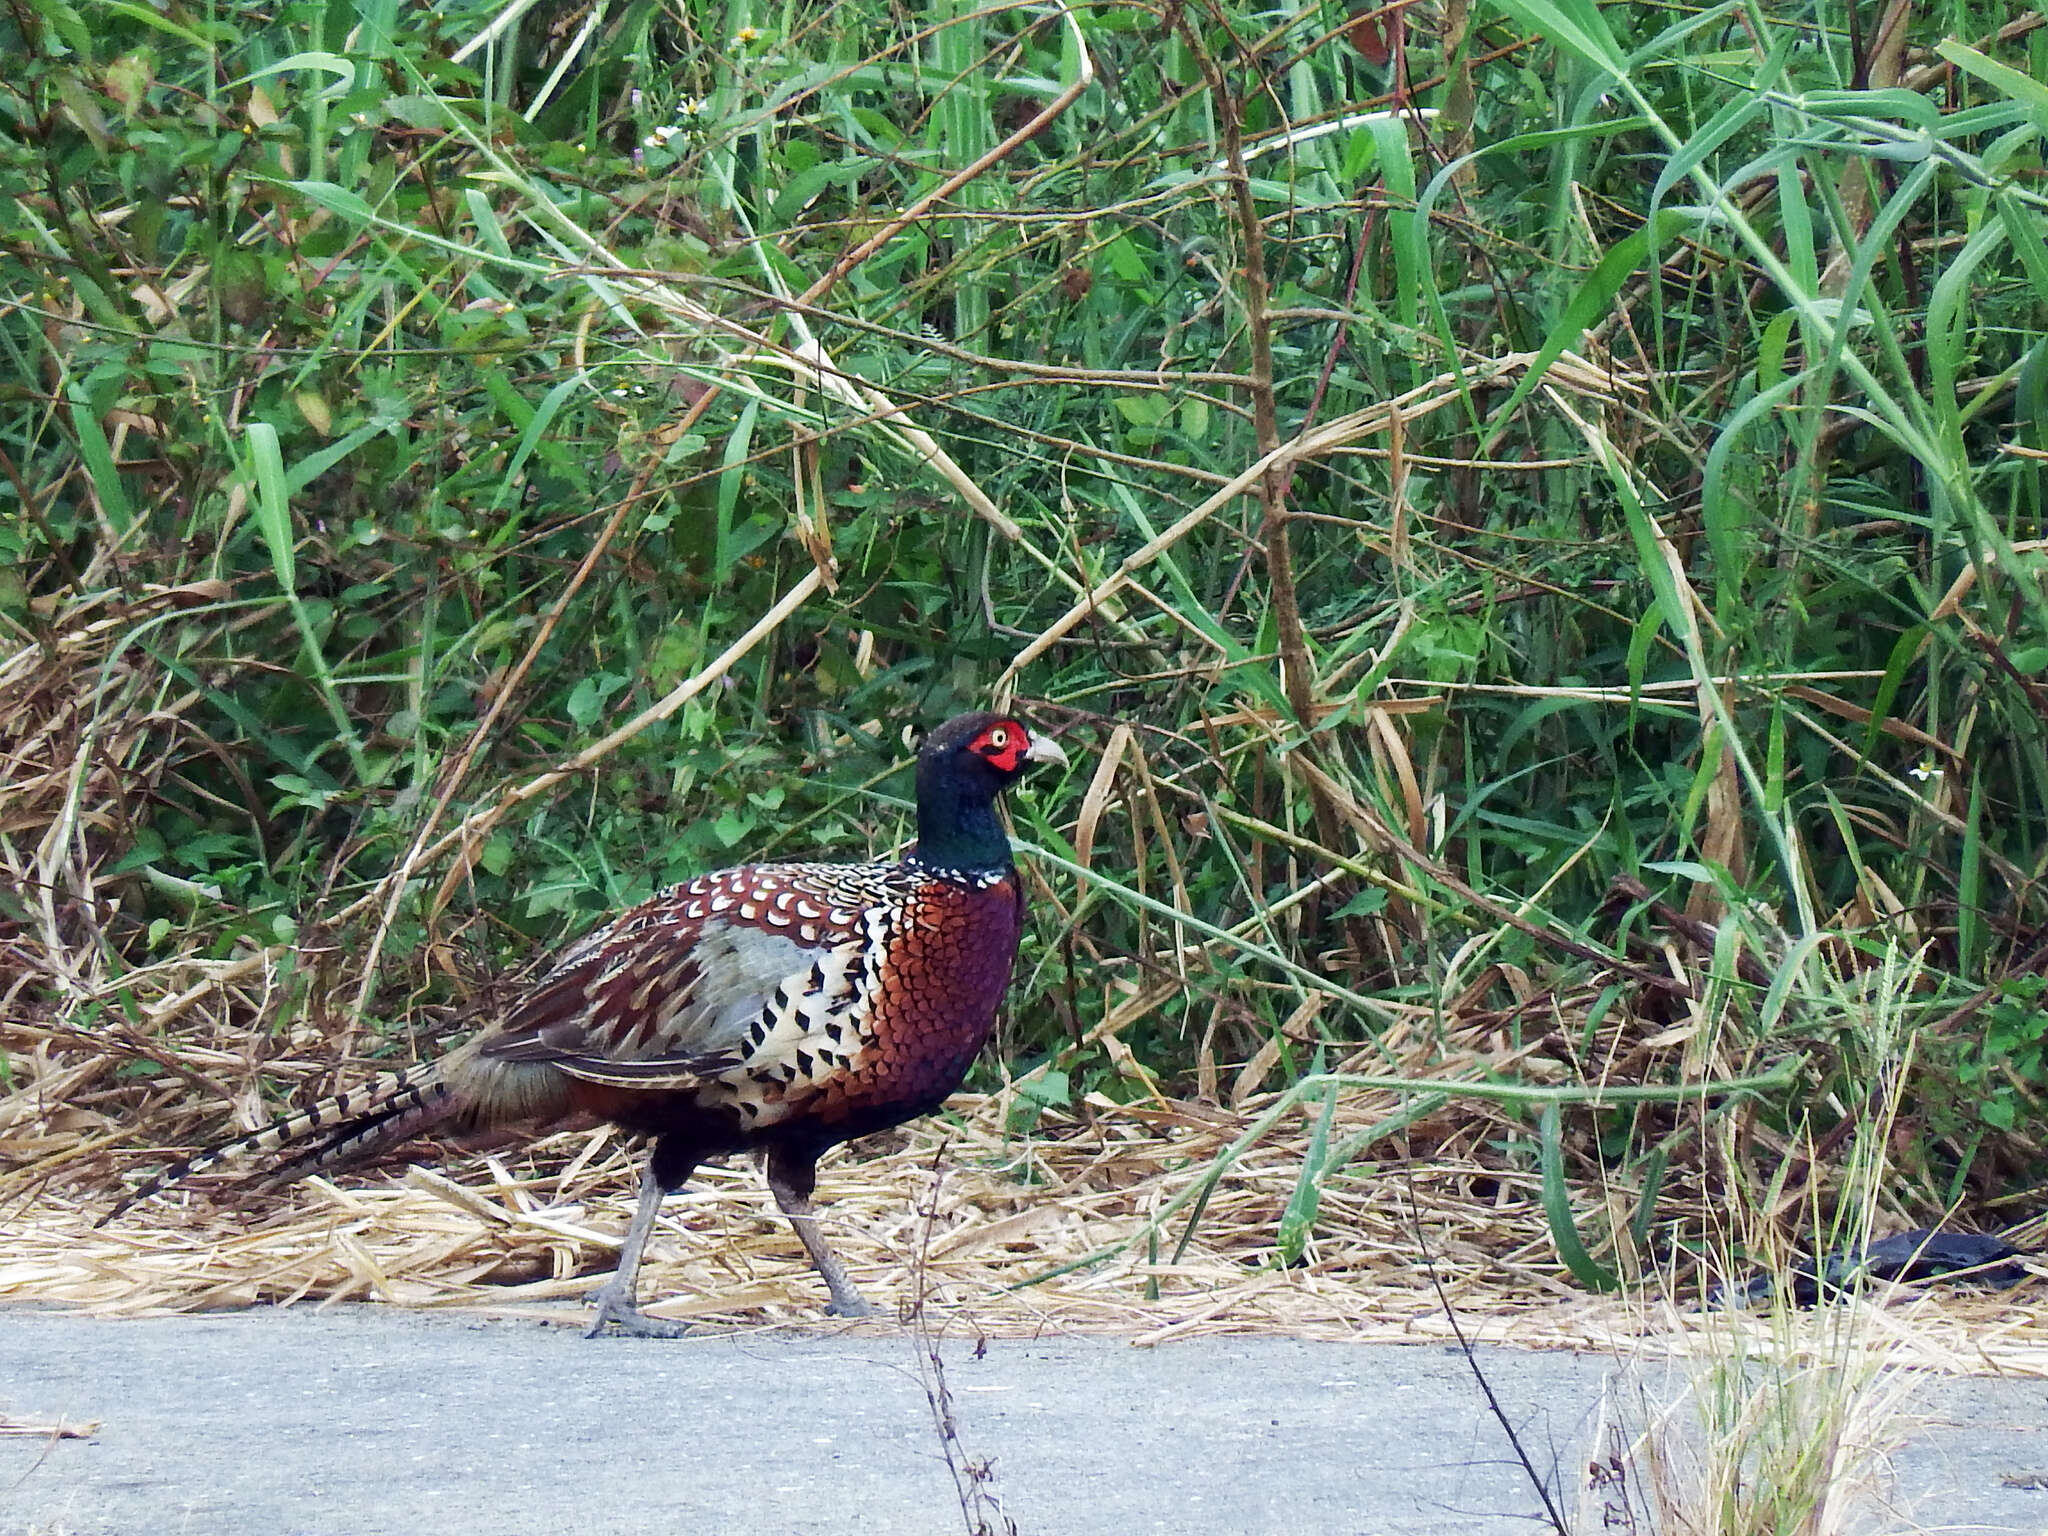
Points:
[(1531, 514)]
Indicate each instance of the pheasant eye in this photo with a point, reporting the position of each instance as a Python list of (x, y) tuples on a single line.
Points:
[(999, 738)]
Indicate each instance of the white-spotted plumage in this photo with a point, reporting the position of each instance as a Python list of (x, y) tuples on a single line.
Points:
[(742, 1010)]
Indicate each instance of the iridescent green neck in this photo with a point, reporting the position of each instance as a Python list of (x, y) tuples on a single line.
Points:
[(956, 821)]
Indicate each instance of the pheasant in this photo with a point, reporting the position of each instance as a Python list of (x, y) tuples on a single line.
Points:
[(779, 1008)]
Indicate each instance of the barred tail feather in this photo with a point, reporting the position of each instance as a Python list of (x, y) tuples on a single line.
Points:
[(347, 1126), (409, 1112)]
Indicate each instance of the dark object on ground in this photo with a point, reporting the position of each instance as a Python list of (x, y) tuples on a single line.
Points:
[(1923, 1254), (775, 1007)]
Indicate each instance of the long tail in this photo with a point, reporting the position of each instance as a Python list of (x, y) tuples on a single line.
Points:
[(339, 1130)]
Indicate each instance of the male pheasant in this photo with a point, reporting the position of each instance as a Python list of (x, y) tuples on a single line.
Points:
[(783, 1008)]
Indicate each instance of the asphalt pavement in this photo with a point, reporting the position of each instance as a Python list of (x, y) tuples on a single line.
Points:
[(368, 1421)]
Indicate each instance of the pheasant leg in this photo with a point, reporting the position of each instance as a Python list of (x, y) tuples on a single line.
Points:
[(791, 1177), (616, 1307)]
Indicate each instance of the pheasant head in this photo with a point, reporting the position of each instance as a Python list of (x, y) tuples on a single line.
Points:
[(961, 768)]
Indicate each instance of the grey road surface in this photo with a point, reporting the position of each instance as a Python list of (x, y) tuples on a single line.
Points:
[(371, 1422)]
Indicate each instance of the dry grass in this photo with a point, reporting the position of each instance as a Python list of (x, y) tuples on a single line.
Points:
[(501, 1233), (1797, 1437)]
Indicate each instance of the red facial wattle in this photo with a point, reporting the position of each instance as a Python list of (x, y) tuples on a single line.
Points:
[(1004, 745)]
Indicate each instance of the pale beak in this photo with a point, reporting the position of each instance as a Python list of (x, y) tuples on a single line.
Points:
[(1044, 749)]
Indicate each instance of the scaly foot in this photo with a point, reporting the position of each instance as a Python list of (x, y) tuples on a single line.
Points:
[(615, 1311), (849, 1303)]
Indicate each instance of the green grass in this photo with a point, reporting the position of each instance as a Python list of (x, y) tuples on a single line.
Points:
[(1558, 517)]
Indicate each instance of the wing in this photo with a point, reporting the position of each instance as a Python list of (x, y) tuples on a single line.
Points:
[(746, 971)]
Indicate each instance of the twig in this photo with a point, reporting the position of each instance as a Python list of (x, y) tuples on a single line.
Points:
[(1536, 1479), (973, 1476)]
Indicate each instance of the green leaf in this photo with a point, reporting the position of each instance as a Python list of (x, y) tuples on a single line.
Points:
[(272, 499), (308, 469), (1573, 25), (335, 199), (1050, 1089), (147, 848), (1366, 903), (1557, 1208), (586, 702), (1646, 1203), (340, 70), (1298, 1221), (1144, 410), (1972, 935), (1770, 352), (64, 19), (2021, 87), (98, 455), (1124, 260), (1904, 649), (731, 477), (536, 428)]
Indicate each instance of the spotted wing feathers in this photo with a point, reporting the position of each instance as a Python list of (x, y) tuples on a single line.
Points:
[(761, 972)]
